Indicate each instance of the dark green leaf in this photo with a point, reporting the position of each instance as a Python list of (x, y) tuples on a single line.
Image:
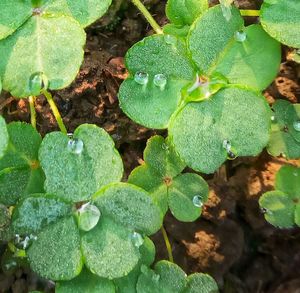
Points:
[(56, 253)]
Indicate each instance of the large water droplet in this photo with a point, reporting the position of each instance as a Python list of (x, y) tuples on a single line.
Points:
[(141, 77), (88, 217), (197, 201), (137, 239), (296, 125), (170, 40), (240, 36), (75, 146), (37, 82), (160, 80)]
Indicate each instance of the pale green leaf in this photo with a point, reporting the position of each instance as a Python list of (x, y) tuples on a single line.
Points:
[(40, 47), (201, 283), (281, 19), (3, 136), (288, 181), (75, 174)]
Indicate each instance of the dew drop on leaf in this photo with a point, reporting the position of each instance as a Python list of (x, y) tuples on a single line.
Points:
[(141, 77), (295, 173), (88, 216), (197, 201), (231, 152), (240, 36), (296, 125), (160, 80), (137, 239), (273, 118), (170, 40), (156, 278), (75, 146), (37, 82)]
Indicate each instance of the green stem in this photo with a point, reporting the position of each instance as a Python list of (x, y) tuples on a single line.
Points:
[(168, 245), (249, 12), (55, 111), (148, 16), (32, 111)]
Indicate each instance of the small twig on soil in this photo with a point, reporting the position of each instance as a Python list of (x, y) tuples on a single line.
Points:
[(168, 245), (249, 12), (31, 100), (148, 16), (6, 102), (55, 111)]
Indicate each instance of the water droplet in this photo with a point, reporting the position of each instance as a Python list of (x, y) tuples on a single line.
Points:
[(296, 125), (266, 211), (141, 77), (22, 242), (37, 82), (170, 40), (231, 152), (160, 80), (137, 239), (273, 118), (240, 36), (75, 146), (197, 201), (9, 265), (295, 173), (88, 216)]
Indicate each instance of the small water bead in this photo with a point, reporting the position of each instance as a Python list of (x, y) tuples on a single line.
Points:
[(88, 216), (273, 118), (137, 239), (156, 278), (141, 77), (75, 146), (295, 173), (160, 80), (37, 82), (231, 152), (240, 36), (197, 201), (170, 40), (296, 125)]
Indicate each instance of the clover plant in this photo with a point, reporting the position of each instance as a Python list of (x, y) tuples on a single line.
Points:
[(63, 208), (282, 206)]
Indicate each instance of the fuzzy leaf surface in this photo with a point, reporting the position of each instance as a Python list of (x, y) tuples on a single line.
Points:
[(75, 177)]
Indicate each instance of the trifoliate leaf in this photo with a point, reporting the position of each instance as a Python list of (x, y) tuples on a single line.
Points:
[(20, 173), (233, 122), (84, 11), (38, 47), (186, 195), (184, 12), (56, 253), (77, 167), (109, 250), (293, 121), (37, 211), (279, 208), (85, 282), (129, 205), (281, 19)]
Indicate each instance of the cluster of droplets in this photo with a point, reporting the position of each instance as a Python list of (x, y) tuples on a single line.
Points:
[(240, 36), (231, 153), (137, 239), (24, 242), (159, 80), (88, 216), (75, 145), (296, 125), (198, 201), (37, 82)]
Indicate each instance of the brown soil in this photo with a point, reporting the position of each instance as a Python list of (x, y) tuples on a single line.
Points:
[(231, 240)]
